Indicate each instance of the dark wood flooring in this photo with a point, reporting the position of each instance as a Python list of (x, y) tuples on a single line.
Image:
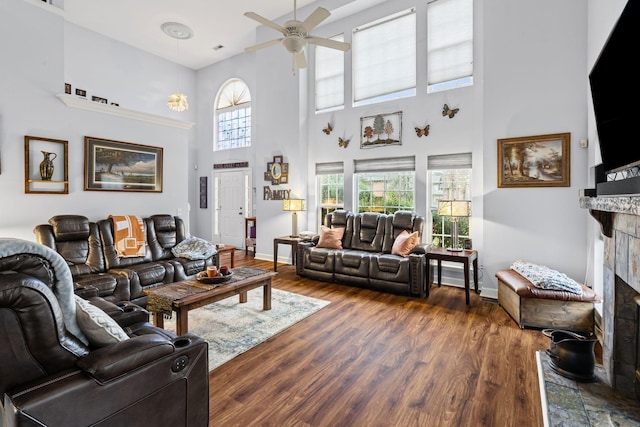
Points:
[(375, 359)]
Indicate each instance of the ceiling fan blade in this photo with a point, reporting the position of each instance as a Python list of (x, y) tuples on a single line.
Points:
[(266, 22), (301, 60), (333, 44), (263, 45), (313, 20)]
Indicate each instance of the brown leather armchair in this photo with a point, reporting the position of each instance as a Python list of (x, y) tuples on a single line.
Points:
[(49, 376)]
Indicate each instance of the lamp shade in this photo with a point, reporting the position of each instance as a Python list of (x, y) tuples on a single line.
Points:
[(454, 208), (293, 205)]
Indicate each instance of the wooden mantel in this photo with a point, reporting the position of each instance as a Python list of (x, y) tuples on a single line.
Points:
[(603, 208)]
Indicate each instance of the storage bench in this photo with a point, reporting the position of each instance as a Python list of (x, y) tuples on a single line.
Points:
[(532, 307)]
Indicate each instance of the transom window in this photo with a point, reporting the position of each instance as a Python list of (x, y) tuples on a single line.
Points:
[(384, 59), (329, 77), (449, 44), (233, 116)]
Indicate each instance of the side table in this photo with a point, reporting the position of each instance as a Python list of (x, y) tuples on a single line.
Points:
[(285, 240), (230, 250), (466, 257)]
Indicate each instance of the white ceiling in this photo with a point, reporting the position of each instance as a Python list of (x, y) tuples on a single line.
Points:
[(214, 22)]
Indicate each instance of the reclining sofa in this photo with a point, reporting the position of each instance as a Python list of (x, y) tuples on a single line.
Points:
[(104, 366), (365, 259), (90, 251)]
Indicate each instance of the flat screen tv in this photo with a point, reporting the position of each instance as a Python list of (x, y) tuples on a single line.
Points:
[(612, 80)]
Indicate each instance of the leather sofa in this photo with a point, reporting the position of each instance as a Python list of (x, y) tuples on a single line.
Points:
[(365, 259), (51, 376), (89, 249)]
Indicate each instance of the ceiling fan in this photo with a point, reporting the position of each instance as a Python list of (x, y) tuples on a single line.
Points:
[(296, 34)]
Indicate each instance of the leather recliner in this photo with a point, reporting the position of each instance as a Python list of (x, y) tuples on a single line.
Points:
[(365, 259), (50, 377), (77, 240)]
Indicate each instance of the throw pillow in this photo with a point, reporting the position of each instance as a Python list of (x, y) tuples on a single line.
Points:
[(194, 248), (99, 328), (404, 243), (330, 238)]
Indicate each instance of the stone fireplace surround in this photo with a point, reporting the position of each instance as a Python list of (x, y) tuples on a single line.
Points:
[(619, 218)]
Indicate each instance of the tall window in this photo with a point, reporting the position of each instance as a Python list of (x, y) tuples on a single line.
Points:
[(385, 185), (329, 77), (384, 59), (330, 182), (233, 116), (449, 179), (449, 44)]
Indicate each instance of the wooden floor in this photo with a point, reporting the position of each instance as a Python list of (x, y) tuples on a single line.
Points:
[(375, 359)]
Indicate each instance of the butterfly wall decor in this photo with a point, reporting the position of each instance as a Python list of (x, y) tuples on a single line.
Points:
[(328, 129), (343, 142), (446, 111), (422, 131)]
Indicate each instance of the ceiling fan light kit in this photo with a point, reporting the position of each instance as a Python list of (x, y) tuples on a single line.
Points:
[(296, 35)]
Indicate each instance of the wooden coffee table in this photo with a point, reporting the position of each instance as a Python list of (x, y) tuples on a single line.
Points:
[(190, 294)]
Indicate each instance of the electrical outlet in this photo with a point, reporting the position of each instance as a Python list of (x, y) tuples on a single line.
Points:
[(179, 211), (584, 143)]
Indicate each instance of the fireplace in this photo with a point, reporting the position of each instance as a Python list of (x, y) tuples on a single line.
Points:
[(620, 223)]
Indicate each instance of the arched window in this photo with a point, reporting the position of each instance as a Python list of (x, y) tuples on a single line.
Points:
[(233, 116)]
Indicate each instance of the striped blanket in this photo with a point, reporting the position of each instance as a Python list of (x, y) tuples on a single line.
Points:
[(129, 235)]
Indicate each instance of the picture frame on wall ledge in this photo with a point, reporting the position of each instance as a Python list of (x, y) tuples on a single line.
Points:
[(535, 161), (122, 166)]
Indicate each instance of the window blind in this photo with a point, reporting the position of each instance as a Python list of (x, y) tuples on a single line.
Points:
[(384, 56), (329, 76), (329, 168), (393, 164), (449, 40), (449, 161)]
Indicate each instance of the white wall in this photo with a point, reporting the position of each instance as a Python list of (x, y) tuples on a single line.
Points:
[(40, 52), (530, 79)]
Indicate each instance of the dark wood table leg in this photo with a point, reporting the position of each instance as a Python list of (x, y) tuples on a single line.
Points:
[(266, 296), (466, 280), (439, 273), (158, 320), (275, 256), (182, 322), (243, 297), (475, 273), (233, 253)]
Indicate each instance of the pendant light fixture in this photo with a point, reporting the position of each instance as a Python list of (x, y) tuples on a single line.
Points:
[(178, 31)]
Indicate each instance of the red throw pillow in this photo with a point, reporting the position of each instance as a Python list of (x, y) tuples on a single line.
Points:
[(330, 238), (404, 243)]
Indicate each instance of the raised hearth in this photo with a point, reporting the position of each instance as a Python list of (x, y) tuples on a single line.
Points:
[(619, 218)]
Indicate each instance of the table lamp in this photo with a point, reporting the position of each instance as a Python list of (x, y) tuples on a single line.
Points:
[(454, 209), (294, 206)]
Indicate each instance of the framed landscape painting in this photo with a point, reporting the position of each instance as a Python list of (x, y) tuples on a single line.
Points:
[(121, 166), (535, 161)]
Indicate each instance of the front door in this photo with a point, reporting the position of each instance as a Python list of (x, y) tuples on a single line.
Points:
[(231, 202)]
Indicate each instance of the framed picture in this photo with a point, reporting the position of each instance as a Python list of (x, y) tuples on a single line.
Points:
[(284, 179), (267, 175), (98, 99), (285, 168), (535, 161), (381, 130), (46, 168), (278, 159), (121, 166)]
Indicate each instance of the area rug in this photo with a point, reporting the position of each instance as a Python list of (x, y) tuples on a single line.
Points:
[(232, 328)]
